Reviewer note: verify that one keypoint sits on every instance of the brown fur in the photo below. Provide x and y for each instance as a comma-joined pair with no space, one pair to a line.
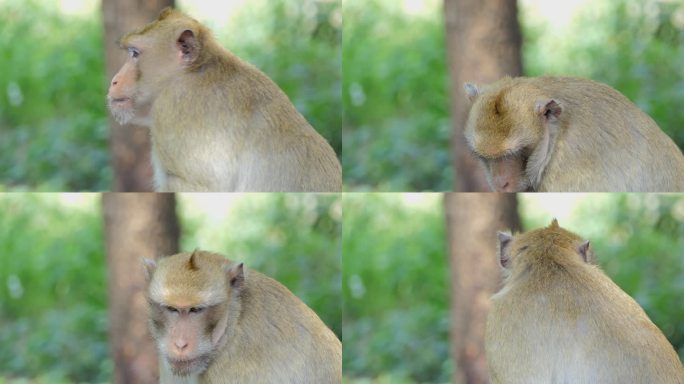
560,319
248,329
217,122
569,134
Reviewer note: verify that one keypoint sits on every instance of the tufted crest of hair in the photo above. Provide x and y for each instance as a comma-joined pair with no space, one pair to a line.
192,262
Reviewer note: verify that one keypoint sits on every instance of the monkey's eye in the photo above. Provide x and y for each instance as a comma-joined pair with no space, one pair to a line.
171,309
196,309
133,53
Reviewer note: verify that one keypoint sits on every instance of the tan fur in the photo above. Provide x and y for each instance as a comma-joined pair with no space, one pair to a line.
262,333
560,319
599,140
217,122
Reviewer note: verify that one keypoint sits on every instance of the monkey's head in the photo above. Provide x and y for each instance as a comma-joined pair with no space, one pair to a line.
195,301
158,53
544,247
511,128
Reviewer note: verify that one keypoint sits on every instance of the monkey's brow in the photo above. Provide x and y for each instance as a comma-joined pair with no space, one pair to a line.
509,153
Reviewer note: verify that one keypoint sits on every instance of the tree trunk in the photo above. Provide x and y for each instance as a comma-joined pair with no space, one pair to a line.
472,222
483,44
137,225
130,145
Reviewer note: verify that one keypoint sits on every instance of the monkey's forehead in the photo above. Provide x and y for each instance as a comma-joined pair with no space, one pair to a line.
176,23
185,293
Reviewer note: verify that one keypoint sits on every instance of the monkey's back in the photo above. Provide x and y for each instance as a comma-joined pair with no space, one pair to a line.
578,328
251,136
290,345
613,137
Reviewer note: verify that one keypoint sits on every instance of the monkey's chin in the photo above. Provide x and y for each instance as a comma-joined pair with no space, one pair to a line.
190,367
122,109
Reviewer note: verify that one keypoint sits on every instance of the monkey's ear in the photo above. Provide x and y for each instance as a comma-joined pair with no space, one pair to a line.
548,108
585,251
504,249
188,47
150,267
471,91
236,275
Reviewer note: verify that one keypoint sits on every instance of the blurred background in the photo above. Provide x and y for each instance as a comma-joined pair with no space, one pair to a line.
57,260
397,91
54,126
397,280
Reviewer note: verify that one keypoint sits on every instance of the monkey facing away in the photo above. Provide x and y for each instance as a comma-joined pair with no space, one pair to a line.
560,319
215,321
217,123
567,134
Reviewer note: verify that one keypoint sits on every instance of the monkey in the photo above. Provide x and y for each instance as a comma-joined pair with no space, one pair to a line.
216,321
563,134
559,319
217,123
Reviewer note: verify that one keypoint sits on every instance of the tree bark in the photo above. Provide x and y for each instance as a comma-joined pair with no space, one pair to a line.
472,222
137,225
130,145
483,44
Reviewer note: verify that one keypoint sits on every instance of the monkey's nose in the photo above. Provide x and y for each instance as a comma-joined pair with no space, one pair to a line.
181,344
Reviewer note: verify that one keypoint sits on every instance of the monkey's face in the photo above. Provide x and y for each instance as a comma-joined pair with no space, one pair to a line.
184,335
126,98
500,136
152,62
507,173
194,300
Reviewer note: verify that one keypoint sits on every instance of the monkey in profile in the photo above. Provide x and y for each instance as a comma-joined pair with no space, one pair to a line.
560,319
562,134
215,321
217,123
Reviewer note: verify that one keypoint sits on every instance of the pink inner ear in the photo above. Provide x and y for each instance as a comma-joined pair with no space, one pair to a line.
548,108
540,107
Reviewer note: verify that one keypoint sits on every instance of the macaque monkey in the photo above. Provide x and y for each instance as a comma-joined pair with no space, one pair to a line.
561,134
215,321
560,319
217,123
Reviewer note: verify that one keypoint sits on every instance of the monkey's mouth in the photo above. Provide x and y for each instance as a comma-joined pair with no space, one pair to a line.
119,101
187,367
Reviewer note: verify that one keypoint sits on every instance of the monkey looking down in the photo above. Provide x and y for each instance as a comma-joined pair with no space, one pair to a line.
559,319
217,123
563,134
215,321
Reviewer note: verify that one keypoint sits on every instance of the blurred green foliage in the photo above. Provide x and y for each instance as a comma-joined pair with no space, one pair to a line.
53,118
53,290
396,289
53,124
396,118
